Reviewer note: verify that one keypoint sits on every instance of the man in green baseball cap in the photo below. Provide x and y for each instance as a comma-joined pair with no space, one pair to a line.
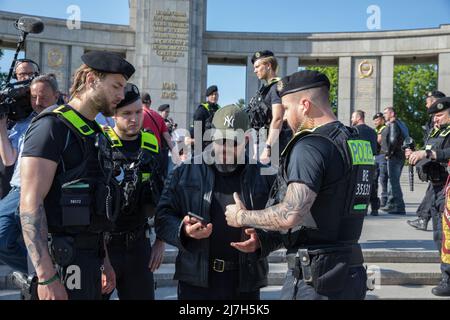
194,202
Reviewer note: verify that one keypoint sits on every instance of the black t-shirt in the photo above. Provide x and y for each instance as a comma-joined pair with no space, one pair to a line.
49,138
272,97
317,162
368,134
222,234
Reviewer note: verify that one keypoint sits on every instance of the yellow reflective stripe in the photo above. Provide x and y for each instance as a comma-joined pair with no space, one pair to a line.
380,129
273,81
75,120
113,137
149,142
146,176
445,132
206,106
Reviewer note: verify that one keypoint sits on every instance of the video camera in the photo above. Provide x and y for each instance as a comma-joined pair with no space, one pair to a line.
410,144
15,100
15,97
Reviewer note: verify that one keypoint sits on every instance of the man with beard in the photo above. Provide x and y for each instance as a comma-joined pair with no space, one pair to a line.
134,156
323,192
190,216
44,93
65,197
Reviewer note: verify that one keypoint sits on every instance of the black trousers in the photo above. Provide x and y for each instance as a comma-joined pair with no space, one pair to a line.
222,286
374,200
82,277
133,277
424,209
355,288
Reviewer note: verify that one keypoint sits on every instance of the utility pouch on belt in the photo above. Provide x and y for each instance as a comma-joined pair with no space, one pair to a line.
76,200
63,250
329,269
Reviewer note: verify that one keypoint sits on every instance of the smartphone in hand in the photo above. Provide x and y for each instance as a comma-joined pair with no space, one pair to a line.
198,218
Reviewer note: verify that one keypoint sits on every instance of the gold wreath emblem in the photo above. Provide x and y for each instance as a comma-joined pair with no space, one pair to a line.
55,58
365,69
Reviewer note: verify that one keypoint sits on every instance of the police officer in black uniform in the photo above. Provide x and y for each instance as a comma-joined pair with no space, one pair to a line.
424,211
135,165
265,108
431,165
66,198
205,112
320,197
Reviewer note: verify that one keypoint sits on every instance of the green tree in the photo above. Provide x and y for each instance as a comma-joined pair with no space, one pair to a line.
241,103
411,83
332,72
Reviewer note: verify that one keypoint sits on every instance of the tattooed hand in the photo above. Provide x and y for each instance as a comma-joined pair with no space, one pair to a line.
232,212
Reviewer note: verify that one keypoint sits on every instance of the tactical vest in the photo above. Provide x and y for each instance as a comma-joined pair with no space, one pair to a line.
211,111
82,189
343,225
433,171
137,174
379,131
259,112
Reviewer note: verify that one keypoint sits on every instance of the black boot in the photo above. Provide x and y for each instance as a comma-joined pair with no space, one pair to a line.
442,290
419,223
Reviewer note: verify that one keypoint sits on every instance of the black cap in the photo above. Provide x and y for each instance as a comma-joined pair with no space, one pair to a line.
439,105
163,107
302,80
108,62
262,54
211,90
378,115
435,94
131,95
146,98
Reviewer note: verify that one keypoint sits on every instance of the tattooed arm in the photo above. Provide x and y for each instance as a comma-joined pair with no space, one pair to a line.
36,179
293,211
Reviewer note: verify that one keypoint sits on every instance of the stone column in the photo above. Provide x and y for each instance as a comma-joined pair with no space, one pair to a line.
252,83
291,65
444,73
168,53
386,83
282,66
344,90
365,84
33,51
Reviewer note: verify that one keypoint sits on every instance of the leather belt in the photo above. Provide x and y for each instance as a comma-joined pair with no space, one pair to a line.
125,238
220,266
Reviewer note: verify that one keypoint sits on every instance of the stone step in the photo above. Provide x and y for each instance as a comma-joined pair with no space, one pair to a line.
382,273
404,292
370,256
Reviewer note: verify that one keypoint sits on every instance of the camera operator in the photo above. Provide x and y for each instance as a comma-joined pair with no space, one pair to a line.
24,70
44,93
431,165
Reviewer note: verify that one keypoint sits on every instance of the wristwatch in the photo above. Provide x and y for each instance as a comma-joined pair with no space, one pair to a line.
429,153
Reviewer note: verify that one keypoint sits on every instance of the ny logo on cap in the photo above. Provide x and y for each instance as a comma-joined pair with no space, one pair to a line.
229,122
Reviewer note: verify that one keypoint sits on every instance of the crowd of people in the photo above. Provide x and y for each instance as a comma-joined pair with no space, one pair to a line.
94,174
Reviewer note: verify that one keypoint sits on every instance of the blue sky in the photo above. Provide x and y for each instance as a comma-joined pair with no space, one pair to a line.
258,16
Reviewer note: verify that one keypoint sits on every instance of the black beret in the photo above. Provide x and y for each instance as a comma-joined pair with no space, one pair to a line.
211,90
435,94
108,62
163,107
378,115
146,98
262,54
439,105
302,80
131,96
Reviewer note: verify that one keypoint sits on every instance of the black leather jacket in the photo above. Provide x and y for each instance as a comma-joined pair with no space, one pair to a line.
190,188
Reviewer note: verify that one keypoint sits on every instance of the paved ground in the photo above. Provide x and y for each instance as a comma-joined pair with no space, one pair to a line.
385,233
